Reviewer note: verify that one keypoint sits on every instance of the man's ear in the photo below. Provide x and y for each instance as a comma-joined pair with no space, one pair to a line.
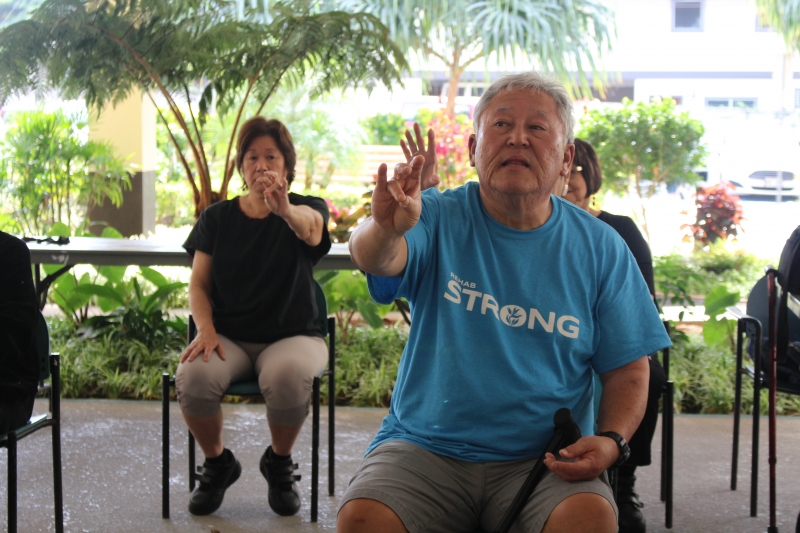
569,155
472,143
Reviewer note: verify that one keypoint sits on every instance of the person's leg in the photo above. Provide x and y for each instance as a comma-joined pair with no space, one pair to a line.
402,487
555,505
582,513
200,385
286,371
368,516
631,519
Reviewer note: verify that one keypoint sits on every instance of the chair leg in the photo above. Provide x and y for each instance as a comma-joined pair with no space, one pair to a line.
331,402
668,445
165,445
754,461
55,410
12,482
192,462
315,451
737,405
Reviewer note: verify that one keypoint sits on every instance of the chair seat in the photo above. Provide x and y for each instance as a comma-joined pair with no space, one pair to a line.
789,387
244,388
34,423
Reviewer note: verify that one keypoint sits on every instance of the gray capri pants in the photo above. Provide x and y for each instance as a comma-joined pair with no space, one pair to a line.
285,370
432,493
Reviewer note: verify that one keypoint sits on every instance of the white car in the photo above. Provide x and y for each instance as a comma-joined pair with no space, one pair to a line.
765,183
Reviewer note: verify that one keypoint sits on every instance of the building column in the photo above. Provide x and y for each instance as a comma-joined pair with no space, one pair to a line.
130,127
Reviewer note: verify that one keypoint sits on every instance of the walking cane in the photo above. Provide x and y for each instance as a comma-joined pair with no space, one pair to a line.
566,433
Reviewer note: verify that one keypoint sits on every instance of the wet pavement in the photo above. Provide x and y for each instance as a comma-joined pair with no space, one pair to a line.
112,473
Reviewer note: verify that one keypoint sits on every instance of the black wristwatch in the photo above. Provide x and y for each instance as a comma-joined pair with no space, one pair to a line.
622,444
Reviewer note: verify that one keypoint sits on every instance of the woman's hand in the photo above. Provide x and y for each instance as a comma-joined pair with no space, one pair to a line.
276,193
430,169
204,343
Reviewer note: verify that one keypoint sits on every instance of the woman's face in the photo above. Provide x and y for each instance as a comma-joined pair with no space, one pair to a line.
576,192
261,159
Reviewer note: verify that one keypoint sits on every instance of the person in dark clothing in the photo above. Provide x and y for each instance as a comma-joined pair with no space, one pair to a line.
19,312
584,181
252,296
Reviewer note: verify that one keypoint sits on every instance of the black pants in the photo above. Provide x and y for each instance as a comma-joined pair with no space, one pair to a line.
15,411
641,440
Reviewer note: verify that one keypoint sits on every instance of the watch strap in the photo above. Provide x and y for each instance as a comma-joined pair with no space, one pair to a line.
622,444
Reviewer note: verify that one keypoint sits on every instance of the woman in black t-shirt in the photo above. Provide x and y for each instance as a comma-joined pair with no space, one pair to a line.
252,298
578,188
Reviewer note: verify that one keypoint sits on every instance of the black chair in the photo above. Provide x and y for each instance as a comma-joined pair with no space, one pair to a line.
784,334
250,388
48,367
667,437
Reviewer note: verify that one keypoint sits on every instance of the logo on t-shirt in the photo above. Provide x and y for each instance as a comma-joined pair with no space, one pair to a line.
463,292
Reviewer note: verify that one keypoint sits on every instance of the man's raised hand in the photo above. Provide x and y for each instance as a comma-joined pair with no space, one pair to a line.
396,202
411,148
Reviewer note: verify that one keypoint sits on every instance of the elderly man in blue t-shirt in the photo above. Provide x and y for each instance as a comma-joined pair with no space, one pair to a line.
516,297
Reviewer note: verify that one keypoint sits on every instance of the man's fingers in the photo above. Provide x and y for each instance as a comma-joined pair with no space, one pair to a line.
420,138
396,190
221,351
406,151
410,140
381,181
431,141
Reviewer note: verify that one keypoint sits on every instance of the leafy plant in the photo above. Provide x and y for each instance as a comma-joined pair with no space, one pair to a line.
50,172
384,128
347,294
103,50
673,279
644,146
366,366
135,315
452,152
343,220
563,36
718,330
719,214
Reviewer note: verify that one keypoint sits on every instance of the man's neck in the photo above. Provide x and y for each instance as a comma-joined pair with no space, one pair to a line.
520,212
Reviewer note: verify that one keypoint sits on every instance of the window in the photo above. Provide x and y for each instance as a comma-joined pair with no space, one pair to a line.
735,103
687,16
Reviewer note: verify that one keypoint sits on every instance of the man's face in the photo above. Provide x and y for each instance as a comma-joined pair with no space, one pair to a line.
520,148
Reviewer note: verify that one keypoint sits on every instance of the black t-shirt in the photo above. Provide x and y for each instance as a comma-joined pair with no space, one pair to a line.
19,313
633,238
262,274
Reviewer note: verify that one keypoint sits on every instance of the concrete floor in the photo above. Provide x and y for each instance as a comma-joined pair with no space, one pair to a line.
112,473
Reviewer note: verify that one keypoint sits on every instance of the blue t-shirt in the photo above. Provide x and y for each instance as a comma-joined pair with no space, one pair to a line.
507,326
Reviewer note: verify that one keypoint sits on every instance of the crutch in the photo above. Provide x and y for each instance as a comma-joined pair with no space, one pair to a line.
566,433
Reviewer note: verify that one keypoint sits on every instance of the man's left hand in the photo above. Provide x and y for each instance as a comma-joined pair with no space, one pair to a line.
586,459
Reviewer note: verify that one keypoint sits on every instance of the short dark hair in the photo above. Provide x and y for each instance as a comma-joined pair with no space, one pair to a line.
586,159
259,127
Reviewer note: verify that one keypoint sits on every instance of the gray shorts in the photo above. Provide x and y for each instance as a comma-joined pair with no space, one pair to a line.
432,493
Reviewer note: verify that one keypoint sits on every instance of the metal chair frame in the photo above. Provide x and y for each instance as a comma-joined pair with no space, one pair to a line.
48,367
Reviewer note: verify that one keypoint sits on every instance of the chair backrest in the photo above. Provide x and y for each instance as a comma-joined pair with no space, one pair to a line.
322,308
789,280
43,347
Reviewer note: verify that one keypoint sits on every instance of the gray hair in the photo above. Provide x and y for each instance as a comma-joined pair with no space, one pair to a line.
536,82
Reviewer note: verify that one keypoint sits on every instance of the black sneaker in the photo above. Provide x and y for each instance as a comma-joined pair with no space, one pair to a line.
631,519
283,497
214,479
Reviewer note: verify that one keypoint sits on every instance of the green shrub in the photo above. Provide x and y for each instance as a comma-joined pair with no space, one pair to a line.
704,380
366,367
384,128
